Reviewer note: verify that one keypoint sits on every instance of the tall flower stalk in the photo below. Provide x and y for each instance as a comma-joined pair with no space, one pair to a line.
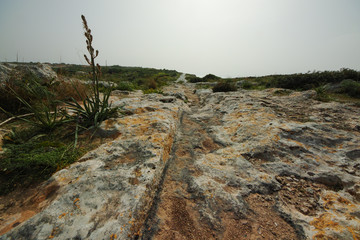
95,69
94,109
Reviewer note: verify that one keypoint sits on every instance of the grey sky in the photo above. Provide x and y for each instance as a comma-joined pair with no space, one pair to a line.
223,37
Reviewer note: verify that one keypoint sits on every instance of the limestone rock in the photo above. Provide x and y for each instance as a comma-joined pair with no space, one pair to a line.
245,164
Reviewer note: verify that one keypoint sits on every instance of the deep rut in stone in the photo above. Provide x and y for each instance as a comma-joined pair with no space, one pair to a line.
179,208
173,210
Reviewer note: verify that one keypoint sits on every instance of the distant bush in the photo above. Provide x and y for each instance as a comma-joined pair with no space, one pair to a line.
224,87
207,78
351,88
194,79
210,77
246,85
151,84
312,80
125,86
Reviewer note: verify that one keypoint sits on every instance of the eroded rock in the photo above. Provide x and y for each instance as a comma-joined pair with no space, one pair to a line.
246,164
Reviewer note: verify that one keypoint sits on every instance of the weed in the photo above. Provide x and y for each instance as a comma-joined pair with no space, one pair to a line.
321,94
46,114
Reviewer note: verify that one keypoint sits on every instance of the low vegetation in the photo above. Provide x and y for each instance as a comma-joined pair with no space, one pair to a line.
326,83
125,78
50,137
208,78
224,87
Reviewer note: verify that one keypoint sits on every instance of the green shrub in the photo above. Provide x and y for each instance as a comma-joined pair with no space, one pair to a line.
224,87
207,78
32,161
247,85
210,77
194,79
351,88
321,94
125,86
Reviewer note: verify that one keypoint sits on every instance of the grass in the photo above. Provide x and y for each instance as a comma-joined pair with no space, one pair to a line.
30,156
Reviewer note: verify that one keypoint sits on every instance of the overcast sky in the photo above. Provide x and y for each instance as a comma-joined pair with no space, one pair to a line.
228,38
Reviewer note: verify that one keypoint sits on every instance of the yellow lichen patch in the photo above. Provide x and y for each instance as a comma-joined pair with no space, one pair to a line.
325,221
355,235
330,150
298,143
276,138
338,208
76,202
265,177
53,233
62,215
333,201
113,236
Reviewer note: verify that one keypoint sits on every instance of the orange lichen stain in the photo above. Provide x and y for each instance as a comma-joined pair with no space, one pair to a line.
77,202
330,150
24,216
265,177
355,235
332,199
343,200
297,143
113,236
276,138
324,221
53,233
62,215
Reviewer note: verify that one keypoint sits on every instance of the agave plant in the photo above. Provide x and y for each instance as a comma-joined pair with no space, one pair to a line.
45,114
95,108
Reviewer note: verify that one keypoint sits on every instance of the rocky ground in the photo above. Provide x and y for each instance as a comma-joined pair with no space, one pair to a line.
200,165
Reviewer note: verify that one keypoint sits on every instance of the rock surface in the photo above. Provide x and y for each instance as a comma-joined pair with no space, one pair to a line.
238,165
40,70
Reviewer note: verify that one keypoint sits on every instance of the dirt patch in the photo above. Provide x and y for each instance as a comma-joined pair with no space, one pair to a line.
300,194
181,223
264,221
